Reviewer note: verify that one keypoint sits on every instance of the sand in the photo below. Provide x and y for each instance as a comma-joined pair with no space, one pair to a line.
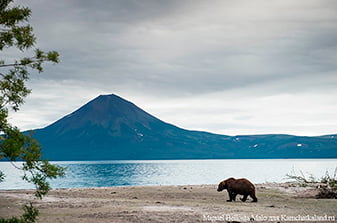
189,203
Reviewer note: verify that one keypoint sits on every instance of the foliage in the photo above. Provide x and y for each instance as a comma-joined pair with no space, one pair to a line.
29,216
17,34
327,184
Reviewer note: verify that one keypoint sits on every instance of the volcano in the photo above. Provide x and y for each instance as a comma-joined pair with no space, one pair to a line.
112,128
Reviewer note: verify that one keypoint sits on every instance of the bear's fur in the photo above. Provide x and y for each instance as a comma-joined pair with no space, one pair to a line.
238,186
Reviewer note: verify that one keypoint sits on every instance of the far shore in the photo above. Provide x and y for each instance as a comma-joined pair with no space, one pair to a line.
278,202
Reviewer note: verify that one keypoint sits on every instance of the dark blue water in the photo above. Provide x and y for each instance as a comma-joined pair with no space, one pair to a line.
171,172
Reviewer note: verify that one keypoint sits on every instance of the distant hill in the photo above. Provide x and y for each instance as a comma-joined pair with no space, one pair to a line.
111,128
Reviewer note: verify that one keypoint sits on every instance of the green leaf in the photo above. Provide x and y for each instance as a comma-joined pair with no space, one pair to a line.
53,56
16,32
31,213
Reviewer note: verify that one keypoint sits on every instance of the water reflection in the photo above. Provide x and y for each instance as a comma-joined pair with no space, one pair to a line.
171,172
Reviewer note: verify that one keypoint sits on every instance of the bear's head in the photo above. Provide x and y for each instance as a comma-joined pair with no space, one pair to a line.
224,184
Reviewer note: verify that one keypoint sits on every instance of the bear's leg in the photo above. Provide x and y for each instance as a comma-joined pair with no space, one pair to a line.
234,196
253,196
244,198
230,195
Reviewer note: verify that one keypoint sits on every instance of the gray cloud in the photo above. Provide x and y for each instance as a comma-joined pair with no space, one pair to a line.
189,49
170,42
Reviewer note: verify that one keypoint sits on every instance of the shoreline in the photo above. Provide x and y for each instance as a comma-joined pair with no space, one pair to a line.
291,184
267,184
179,203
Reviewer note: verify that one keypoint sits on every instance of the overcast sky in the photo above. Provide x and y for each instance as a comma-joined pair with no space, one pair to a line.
229,67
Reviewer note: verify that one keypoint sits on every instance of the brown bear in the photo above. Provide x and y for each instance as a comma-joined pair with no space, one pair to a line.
238,186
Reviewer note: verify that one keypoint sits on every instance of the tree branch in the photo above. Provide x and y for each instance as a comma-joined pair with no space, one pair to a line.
10,65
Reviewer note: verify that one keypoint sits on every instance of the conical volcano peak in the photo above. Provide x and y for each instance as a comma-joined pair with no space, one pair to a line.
109,98
105,110
107,104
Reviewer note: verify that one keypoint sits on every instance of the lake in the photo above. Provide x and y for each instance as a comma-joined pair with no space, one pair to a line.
172,172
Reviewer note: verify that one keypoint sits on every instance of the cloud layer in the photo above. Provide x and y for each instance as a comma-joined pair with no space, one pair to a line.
232,67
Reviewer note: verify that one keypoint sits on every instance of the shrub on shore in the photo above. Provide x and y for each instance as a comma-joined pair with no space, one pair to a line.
327,184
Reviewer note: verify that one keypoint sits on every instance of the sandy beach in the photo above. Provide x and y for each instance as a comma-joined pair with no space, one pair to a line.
189,203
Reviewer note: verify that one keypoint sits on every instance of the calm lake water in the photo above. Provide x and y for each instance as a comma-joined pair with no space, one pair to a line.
172,172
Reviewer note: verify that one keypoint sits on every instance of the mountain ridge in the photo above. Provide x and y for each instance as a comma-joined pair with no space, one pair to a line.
110,127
